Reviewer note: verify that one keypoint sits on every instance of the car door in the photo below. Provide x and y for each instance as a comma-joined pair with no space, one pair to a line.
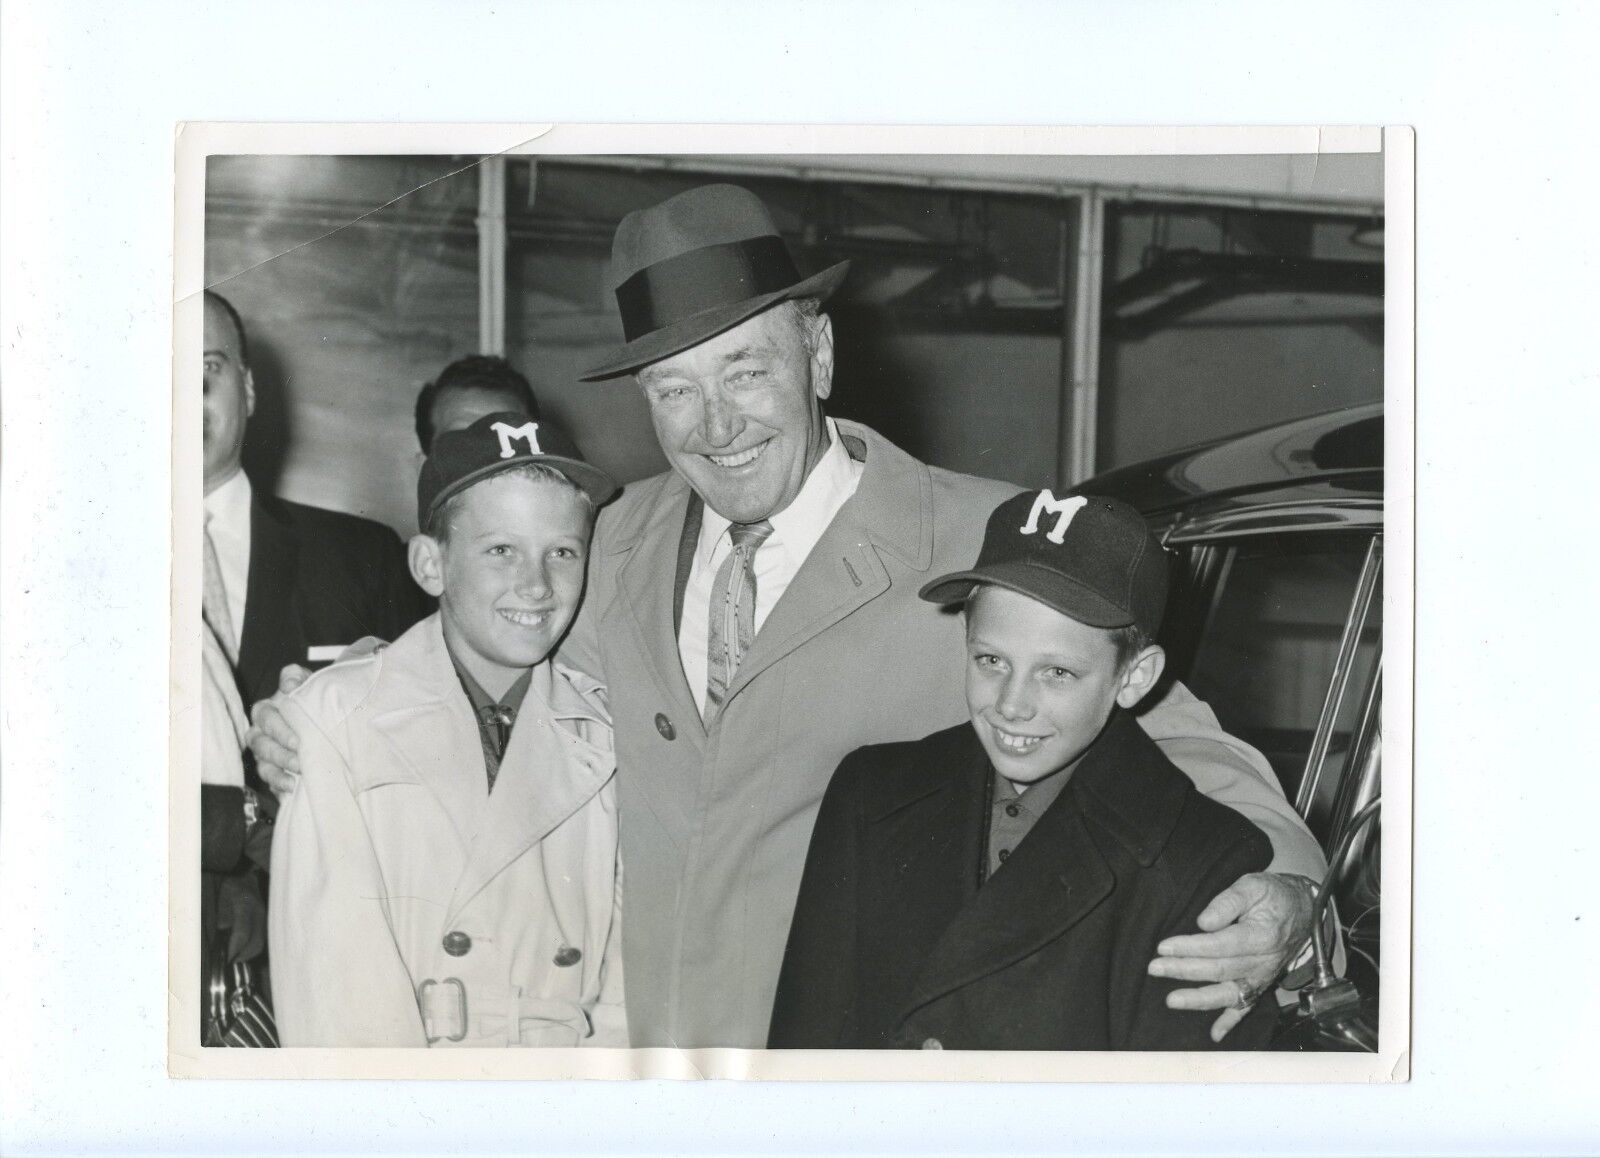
1278,626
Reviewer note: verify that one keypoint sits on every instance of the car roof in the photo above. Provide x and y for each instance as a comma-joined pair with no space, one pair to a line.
1308,473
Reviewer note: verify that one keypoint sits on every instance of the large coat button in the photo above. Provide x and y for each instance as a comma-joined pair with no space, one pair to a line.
457,943
567,956
664,726
932,1043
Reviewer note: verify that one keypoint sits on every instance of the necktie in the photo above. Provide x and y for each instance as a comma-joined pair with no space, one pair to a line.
214,601
494,729
733,611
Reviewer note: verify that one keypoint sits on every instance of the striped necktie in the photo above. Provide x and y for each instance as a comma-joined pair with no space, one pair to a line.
733,611
214,601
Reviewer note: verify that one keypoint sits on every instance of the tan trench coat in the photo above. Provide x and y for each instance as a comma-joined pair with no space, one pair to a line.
393,866
716,823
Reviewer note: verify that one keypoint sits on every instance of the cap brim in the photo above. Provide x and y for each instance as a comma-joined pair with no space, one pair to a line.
593,481
1049,587
693,330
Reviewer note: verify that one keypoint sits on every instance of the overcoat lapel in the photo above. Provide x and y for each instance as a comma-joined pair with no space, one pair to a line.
928,842
269,595
1055,878
429,727
546,775
648,597
891,512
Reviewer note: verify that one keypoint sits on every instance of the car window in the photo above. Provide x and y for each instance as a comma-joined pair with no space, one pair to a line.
1270,642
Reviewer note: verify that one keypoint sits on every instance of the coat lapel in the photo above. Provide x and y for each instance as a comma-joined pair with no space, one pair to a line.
427,723
928,841
546,775
269,595
648,598
1055,878
890,513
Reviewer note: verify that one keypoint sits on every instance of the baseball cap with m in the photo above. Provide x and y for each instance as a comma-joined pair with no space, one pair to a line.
498,442
1090,558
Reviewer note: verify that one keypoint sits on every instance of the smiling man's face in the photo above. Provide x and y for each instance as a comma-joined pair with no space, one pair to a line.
740,415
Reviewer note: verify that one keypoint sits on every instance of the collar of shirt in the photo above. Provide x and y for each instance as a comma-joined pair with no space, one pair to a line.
795,531
228,523
555,690
1014,813
481,699
494,729
1035,798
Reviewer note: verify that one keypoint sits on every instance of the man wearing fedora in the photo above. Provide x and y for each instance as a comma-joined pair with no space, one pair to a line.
754,613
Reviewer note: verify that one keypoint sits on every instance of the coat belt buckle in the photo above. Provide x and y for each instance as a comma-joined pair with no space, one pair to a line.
439,1008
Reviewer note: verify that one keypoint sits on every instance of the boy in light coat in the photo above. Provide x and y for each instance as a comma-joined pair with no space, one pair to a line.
447,872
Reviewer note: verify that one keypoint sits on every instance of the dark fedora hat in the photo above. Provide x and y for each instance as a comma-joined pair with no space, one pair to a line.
695,265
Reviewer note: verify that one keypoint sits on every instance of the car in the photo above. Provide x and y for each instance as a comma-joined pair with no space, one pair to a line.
1276,620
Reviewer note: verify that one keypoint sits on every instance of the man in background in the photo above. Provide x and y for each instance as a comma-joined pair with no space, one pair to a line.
282,583
466,390
300,582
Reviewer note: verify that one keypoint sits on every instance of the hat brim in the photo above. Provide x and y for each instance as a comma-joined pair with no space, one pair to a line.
593,481
1049,587
696,328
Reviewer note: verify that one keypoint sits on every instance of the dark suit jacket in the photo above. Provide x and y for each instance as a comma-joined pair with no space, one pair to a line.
317,578
224,866
895,944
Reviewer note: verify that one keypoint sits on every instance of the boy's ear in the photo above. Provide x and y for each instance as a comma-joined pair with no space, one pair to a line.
1141,675
425,554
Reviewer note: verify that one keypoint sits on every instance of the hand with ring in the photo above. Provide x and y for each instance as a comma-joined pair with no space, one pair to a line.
1248,935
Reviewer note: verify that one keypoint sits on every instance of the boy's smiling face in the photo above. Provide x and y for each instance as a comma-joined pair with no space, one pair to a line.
1041,685
509,575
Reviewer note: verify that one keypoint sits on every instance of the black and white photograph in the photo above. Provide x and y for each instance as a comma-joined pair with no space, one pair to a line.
800,579
896,611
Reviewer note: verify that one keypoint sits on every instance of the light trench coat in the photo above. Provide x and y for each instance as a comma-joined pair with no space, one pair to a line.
410,906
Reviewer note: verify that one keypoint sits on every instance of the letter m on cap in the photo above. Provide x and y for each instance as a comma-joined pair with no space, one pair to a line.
1063,509
528,430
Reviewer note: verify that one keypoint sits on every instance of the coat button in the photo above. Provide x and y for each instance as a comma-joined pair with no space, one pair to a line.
664,726
932,1043
1012,810
567,956
457,943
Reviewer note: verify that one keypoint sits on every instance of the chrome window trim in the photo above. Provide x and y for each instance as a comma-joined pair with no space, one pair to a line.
1368,588
1277,518
1366,757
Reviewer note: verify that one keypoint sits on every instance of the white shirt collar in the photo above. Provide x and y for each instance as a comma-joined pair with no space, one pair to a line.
229,504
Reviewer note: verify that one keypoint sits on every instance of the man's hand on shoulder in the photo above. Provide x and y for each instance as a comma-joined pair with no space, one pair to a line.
274,744
1250,933
272,741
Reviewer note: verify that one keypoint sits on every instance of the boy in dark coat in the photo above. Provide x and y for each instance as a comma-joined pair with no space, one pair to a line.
1003,885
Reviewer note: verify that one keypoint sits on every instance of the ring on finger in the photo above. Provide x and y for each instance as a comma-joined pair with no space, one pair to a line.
1248,995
